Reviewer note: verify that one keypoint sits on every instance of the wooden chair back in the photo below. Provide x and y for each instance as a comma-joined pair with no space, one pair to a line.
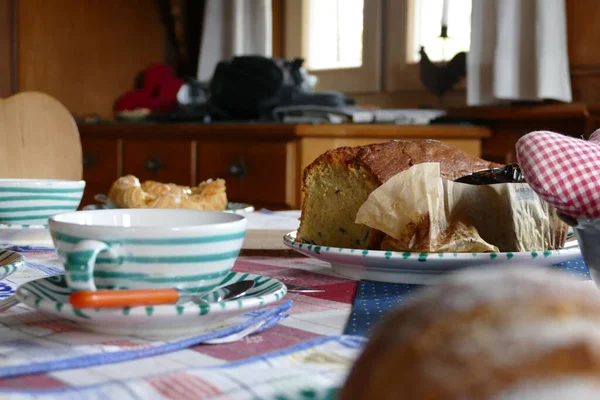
38,138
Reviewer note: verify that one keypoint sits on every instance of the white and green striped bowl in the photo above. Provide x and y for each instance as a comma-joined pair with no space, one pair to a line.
10,261
32,201
25,235
147,248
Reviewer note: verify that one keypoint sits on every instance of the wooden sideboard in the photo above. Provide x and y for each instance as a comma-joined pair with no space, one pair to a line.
262,163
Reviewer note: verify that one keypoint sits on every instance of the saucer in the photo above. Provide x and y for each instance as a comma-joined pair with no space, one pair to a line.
21,235
51,295
10,261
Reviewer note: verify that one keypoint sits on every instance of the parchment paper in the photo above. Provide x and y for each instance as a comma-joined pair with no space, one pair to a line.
421,212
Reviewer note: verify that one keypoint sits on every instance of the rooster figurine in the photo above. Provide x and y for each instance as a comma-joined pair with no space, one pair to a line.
439,79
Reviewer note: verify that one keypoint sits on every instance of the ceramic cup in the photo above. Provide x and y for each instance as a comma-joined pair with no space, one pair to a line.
588,236
147,248
32,201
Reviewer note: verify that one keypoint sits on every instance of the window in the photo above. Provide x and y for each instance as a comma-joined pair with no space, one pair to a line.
366,46
335,31
427,17
340,41
411,24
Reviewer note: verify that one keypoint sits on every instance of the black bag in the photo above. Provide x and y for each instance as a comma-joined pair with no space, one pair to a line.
249,87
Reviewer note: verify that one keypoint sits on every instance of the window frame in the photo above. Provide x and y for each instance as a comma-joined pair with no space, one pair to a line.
364,79
386,51
400,74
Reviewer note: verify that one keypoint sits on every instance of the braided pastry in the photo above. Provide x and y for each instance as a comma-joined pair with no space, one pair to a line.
128,192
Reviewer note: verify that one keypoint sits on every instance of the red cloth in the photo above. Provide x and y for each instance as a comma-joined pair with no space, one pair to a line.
158,94
563,170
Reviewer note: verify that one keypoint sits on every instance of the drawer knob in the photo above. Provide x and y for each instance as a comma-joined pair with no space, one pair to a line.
89,161
238,169
154,164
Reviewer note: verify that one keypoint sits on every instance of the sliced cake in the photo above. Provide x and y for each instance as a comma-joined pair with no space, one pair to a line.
339,181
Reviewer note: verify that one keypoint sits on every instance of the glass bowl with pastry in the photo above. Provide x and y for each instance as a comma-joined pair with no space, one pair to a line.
129,192
412,211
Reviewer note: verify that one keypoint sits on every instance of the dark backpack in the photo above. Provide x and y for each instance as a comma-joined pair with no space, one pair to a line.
249,87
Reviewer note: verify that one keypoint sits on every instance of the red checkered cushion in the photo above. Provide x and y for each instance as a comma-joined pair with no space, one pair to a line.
564,171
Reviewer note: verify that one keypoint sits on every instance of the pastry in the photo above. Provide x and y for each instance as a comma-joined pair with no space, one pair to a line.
128,192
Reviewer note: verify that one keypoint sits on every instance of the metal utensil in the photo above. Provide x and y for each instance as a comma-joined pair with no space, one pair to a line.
510,173
148,297
302,289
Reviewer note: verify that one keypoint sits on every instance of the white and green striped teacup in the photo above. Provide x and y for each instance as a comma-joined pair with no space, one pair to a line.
147,248
32,201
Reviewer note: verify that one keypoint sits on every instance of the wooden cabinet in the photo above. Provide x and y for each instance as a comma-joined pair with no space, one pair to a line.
160,160
261,163
257,172
101,166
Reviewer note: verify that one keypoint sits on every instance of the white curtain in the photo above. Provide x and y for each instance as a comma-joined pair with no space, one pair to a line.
518,52
234,28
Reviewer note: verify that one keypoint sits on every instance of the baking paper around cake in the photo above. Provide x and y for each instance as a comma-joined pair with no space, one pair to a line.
421,212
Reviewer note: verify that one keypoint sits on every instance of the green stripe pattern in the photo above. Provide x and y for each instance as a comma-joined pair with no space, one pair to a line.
32,204
52,294
65,238
199,262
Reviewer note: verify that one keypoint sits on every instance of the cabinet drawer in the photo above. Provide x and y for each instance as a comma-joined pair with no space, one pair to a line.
168,161
100,167
100,160
260,173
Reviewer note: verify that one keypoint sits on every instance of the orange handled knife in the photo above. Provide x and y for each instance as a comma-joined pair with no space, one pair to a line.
152,297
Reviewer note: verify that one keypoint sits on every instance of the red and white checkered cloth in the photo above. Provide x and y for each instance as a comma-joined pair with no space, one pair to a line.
563,170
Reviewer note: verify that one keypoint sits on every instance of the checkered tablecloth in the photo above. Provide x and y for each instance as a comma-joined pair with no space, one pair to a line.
302,355
305,354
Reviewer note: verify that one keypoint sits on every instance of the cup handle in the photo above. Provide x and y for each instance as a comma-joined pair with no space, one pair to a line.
79,269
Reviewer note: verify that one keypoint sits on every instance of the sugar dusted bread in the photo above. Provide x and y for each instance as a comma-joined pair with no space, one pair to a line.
128,192
487,334
338,182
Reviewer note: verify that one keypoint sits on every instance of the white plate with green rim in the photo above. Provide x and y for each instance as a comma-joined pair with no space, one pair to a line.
418,268
51,295
30,235
239,208
10,262
232,207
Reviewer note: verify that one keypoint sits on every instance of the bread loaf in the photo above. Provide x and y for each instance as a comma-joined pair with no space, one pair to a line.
338,182
487,334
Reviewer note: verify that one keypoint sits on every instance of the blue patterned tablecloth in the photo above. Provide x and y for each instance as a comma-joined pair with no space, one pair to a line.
373,300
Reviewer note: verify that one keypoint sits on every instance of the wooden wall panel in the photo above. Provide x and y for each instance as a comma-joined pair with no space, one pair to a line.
583,33
7,53
277,15
86,53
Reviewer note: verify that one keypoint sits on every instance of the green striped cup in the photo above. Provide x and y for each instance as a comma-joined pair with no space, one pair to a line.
32,201
147,248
